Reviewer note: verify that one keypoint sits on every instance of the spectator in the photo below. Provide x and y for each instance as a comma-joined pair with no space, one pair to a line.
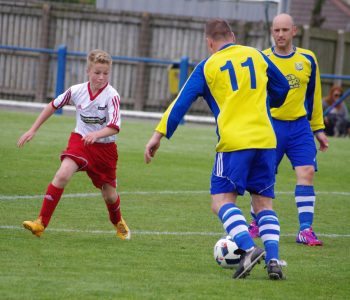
337,120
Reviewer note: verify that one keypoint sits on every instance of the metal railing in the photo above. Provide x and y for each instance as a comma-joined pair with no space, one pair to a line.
183,65
62,54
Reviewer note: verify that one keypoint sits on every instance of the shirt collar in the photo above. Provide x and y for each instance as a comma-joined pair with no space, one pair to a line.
227,45
284,56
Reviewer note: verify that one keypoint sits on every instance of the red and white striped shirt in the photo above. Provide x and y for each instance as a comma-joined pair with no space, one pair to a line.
93,112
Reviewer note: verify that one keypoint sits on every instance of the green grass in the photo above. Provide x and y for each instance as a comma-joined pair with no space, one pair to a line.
78,257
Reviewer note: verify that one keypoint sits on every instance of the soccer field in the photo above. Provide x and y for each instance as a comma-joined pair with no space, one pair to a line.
167,207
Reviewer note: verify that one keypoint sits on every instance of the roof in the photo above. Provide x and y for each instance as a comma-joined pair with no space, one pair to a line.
336,13
232,10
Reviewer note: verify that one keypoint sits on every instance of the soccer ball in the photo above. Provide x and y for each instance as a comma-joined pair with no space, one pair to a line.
224,253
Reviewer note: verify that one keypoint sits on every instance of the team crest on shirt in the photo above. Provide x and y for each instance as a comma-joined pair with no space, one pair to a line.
299,66
294,82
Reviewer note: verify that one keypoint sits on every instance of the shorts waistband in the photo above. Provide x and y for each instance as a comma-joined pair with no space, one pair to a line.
96,143
288,121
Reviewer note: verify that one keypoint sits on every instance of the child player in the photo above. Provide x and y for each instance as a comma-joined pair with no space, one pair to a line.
91,147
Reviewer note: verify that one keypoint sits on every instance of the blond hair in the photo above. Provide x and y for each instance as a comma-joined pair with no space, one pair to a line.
98,56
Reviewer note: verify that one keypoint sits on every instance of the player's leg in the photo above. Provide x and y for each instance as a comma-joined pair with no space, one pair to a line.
52,196
305,201
253,226
102,170
227,181
112,200
269,229
260,184
302,154
236,226
281,130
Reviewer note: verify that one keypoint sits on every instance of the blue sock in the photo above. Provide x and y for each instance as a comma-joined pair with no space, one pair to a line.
236,225
305,201
269,229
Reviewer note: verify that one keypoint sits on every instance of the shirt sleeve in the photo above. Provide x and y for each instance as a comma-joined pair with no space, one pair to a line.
193,88
313,98
63,99
277,85
114,113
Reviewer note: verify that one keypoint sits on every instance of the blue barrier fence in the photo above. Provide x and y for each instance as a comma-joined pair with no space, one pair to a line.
62,54
184,63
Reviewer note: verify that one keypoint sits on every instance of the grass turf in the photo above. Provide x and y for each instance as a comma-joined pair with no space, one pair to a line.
167,206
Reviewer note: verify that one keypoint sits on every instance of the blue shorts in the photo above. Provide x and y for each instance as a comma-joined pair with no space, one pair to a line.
296,140
252,170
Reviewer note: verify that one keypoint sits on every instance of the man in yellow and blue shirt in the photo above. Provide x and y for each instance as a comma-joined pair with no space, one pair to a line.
239,85
297,121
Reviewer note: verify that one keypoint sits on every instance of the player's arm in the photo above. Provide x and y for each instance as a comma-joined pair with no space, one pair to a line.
193,88
92,137
46,113
314,97
152,146
314,104
277,85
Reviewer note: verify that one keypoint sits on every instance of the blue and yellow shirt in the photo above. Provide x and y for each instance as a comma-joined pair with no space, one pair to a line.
304,98
239,84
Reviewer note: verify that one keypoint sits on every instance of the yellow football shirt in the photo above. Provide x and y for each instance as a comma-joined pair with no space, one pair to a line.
304,98
239,84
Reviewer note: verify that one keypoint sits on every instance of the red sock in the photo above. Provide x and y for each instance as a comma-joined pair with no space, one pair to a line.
51,198
114,211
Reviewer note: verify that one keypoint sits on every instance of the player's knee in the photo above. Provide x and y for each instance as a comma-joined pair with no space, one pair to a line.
61,178
217,203
109,198
214,208
306,174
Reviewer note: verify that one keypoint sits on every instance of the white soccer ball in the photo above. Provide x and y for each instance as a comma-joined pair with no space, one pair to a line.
224,253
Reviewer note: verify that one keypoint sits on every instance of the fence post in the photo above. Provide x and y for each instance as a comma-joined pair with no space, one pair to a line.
142,75
339,58
184,64
61,72
305,40
44,58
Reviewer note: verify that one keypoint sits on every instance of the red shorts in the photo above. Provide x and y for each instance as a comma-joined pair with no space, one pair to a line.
99,160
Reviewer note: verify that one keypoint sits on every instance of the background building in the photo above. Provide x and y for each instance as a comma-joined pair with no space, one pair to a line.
328,14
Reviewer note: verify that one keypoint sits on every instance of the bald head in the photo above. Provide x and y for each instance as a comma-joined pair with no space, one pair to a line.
284,19
283,31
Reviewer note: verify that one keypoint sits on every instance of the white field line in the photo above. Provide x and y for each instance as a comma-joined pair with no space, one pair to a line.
145,232
89,195
126,113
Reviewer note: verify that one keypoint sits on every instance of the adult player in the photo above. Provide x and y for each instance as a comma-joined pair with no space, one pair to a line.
297,121
238,83
91,146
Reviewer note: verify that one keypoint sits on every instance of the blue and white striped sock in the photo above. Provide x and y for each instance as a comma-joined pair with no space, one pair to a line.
236,225
269,229
305,201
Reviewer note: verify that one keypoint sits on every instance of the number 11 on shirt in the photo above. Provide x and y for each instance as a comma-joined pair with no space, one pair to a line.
248,63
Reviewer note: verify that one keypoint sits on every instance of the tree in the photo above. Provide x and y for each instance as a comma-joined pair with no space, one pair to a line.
316,18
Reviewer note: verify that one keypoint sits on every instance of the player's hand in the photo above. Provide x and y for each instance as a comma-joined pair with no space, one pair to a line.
152,146
90,138
323,141
25,138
